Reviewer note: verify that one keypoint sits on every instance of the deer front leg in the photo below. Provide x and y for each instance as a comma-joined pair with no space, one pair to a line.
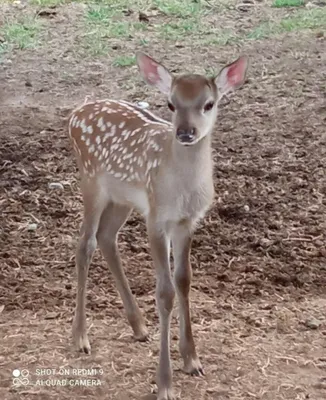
181,243
160,248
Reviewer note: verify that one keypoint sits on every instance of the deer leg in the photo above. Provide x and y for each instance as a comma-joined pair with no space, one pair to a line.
85,249
113,218
160,245
181,243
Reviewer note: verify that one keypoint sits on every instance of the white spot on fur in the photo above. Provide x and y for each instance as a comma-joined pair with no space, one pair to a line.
134,132
100,122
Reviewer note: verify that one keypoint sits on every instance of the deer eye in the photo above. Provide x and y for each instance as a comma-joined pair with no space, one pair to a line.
171,106
208,106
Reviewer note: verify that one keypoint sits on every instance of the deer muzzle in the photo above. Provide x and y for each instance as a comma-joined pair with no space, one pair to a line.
186,135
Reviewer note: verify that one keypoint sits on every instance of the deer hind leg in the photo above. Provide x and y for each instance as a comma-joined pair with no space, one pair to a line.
181,243
160,249
86,246
112,219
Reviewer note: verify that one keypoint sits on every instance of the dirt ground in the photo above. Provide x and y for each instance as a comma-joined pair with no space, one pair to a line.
258,294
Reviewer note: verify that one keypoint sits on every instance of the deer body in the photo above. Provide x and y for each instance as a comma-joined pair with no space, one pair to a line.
174,197
130,159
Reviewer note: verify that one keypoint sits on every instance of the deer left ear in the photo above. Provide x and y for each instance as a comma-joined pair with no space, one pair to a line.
231,77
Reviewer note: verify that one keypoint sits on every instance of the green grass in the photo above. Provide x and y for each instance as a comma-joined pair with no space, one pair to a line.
178,8
111,21
106,24
102,13
124,61
3,49
175,8
105,19
179,29
301,20
288,3
23,34
48,3
222,38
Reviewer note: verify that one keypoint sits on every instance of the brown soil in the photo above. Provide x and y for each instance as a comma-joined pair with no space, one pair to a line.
258,257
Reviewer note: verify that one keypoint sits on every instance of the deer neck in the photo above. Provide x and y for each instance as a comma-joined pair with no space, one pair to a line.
195,159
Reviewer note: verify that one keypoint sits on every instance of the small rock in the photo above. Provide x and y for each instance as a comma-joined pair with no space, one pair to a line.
143,104
32,227
246,208
264,242
56,185
243,7
47,13
312,323
143,17
52,315
127,12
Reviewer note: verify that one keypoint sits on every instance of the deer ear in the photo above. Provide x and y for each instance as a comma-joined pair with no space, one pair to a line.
154,73
232,76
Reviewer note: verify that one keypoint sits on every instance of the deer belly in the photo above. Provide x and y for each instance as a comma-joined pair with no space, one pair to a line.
132,196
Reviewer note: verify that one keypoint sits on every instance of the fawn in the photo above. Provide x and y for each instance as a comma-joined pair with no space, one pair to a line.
128,159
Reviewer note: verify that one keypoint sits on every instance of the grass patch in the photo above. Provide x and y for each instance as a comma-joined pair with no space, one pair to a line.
23,34
288,3
110,22
102,13
124,61
48,3
182,9
105,22
3,49
175,8
222,38
179,29
302,20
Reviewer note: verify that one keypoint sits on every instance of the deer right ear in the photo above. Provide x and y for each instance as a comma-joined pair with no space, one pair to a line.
154,73
232,76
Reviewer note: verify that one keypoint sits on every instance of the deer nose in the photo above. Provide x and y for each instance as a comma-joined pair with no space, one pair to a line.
186,135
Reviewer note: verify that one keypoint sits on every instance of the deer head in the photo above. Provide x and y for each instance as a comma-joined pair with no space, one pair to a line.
193,99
